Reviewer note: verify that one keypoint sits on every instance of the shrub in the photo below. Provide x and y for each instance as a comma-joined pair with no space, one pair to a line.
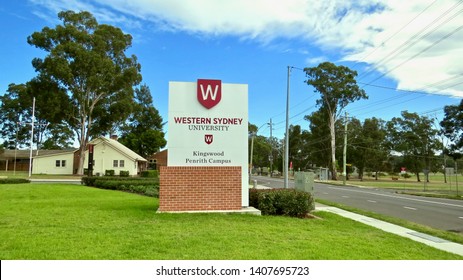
108,184
109,172
152,191
286,202
149,173
254,197
124,173
14,181
406,175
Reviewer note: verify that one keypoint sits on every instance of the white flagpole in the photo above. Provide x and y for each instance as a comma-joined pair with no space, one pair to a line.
32,137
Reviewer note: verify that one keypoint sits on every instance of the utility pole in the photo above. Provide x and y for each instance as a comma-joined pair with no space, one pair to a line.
344,155
285,168
271,145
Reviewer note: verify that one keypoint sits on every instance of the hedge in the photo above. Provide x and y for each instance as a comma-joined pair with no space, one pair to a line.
14,181
144,186
286,202
149,173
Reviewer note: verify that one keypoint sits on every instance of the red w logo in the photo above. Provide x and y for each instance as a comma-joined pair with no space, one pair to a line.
209,92
208,138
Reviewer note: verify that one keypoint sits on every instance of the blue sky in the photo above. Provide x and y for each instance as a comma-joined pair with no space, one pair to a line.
397,47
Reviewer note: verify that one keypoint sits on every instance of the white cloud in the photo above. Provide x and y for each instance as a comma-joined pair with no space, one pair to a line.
359,30
314,61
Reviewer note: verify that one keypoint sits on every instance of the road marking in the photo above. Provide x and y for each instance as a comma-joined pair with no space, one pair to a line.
325,193
460,217
372,201
400,197
345,196
411,208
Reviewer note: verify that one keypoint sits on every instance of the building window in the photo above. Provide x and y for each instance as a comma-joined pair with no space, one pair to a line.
115,163
63,163
121,163
58,163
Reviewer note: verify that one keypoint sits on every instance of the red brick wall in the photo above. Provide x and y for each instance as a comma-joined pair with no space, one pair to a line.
188,188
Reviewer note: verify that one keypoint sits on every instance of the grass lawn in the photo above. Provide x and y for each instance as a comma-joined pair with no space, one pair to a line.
60,221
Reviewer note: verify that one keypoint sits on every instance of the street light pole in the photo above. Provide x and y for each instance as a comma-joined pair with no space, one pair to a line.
253,134
285,168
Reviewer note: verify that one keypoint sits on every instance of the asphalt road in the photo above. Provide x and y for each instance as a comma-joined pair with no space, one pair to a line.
445,214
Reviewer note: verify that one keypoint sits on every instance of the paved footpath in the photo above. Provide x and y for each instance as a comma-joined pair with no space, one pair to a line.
395,229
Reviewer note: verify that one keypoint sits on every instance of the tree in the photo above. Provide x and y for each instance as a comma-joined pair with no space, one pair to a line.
88,60
415,138
143,132
338,88
261,151
298,149
318,139
262,148
367,145
452,127
13,111
51,111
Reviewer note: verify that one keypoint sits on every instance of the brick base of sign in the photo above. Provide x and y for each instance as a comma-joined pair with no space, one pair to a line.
199,188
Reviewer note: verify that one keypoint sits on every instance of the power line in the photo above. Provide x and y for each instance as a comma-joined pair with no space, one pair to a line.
395,98
397,32
421,90
419,53
410,42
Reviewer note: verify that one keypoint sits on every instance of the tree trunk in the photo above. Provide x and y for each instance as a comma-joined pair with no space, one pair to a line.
333,147
80,168
84,129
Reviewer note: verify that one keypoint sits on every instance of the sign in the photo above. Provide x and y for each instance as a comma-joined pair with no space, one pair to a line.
90,159
209,92
208,138
403,170
208,126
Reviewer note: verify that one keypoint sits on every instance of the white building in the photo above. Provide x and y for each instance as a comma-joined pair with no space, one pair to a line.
57,163
108,154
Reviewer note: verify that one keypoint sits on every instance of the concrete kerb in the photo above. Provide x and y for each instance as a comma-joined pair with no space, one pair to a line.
340,184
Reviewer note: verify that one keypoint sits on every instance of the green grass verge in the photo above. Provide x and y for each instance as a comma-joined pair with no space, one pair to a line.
450,236
431,194
39,221
436,183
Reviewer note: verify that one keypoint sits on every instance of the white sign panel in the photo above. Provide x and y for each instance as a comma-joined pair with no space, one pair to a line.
208,126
